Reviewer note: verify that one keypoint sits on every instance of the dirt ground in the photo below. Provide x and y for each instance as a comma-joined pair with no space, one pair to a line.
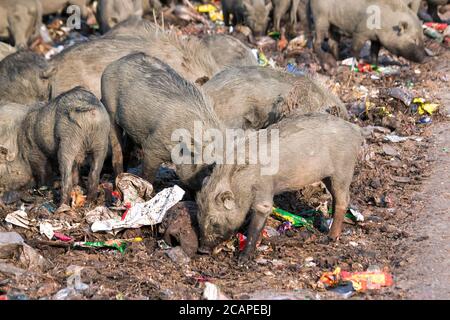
401,189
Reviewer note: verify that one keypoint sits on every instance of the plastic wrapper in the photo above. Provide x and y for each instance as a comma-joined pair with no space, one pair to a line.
361,281
143,214
133,188
294,219
119,244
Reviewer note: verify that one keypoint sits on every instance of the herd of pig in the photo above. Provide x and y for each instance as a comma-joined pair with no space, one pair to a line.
137,83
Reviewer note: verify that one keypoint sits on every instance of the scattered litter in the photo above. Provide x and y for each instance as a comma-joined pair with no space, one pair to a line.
143,214
46,229
74,287
361,281
294,219
10,243
178,256
213,292
78,199
163,245
119,244
19,218
424,107
133,188
99,213
62,237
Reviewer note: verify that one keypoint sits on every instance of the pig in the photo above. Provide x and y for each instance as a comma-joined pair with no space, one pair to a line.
400,30
58,6
255,97
148,100
414,5
6,50
15,173
229,51
111,12
20,21
312,148
64,131
281,7
133,27
253,13
84,63
25,78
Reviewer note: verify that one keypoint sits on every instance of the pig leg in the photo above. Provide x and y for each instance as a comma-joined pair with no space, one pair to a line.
333,42
75,174
226,16
115,138
66,158
279,12
357,45
261,211
339,189
322,29
40,167
99,156
375,47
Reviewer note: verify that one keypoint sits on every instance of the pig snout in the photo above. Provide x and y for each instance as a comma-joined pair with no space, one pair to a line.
415,54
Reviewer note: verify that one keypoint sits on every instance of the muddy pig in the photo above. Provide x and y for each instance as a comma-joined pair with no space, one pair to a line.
255,97
399,29
14,171
312,148
149,100
84,63
111,12
253,13
20,21
58,6
5,50
25,78
65,131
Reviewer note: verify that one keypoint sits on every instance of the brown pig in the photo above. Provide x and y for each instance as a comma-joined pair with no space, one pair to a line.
309,149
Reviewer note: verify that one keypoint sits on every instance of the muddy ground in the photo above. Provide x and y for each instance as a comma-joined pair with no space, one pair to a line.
388,189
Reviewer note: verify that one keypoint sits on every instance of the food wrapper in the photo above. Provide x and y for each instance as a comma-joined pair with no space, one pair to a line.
361,281
424,107
294,219
119,244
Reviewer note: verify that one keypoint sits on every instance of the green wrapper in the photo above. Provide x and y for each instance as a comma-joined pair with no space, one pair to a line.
294,219
119,244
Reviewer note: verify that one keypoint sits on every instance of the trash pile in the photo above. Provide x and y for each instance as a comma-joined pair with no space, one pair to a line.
140,243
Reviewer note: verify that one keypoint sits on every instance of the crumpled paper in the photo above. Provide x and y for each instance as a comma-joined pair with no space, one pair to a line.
143,214
133,188
19,218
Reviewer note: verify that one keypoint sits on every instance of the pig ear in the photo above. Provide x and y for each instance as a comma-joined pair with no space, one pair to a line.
226,199
47,74
205,181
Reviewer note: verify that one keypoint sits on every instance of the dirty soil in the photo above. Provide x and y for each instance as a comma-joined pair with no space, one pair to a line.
401,188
